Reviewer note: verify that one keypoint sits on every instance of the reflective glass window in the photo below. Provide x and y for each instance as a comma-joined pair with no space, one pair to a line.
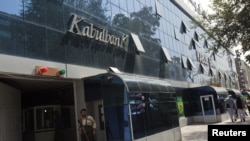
142,64
35,11
5,35
148,107
44,118
159,8
138,5
54,14
124,5
149,3
35,41
177,33
131,7
115,10
12,37
12,7
115,2
56,47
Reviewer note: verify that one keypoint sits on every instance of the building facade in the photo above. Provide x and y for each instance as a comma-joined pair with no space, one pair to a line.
52,50
243,72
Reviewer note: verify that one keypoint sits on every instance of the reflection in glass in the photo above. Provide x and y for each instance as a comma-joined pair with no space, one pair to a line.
148,107
44,118
13,7
34,10
54,14
35,43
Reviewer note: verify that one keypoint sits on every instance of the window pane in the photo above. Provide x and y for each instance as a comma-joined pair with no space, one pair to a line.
35,41
34,10
44,118
148,107
54,14
12,7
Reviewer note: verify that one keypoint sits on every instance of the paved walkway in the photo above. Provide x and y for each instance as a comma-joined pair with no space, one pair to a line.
198,132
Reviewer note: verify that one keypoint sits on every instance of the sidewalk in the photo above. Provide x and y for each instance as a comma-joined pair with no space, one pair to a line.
198,132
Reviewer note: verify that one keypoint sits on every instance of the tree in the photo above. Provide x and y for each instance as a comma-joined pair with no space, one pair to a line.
228,24
136,23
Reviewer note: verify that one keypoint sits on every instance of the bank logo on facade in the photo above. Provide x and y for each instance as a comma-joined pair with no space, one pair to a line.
80,26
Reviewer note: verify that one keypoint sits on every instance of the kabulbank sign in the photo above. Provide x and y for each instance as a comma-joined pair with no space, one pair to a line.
81,27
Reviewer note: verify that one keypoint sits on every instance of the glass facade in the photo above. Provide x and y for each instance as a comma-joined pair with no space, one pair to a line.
192,103
39,29
133,113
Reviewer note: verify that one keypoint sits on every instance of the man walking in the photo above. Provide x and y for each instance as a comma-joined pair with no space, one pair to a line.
240,108
231,106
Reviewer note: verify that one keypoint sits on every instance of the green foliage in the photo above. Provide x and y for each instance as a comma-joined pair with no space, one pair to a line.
143,23
229,24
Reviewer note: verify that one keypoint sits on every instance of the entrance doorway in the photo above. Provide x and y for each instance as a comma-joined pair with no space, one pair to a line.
36,98
208,108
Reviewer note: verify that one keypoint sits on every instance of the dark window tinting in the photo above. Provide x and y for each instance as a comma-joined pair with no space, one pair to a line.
157,107
35,41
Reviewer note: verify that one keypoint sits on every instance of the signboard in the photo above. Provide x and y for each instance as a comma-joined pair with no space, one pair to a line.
84,28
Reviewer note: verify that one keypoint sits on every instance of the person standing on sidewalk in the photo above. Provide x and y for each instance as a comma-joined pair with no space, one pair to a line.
248,104
231,106
240,108
87,126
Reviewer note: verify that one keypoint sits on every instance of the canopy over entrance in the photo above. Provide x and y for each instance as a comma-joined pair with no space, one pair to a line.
221,92
245,93
133,83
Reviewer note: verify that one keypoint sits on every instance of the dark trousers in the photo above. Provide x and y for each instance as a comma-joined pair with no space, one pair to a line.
89,137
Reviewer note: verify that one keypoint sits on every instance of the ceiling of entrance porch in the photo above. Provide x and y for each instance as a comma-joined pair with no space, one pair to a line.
35,84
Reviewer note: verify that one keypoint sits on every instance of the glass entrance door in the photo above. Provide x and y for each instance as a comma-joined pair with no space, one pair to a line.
208,108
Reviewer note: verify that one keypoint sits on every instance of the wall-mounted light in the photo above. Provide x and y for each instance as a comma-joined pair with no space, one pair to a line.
61,72
43,69
49,71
